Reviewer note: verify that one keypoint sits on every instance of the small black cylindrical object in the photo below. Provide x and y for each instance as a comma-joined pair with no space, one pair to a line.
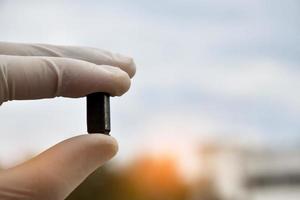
98,113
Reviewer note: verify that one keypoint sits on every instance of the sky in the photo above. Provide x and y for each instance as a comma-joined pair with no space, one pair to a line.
206,69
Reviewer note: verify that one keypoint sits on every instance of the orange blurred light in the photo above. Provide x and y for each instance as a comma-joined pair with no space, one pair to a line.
156,176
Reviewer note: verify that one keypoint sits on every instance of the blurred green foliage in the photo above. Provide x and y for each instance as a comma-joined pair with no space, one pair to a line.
143,180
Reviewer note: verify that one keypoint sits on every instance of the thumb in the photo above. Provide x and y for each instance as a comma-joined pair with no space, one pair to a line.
55,173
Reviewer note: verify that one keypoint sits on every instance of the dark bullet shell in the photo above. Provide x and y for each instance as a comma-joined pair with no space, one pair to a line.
98,113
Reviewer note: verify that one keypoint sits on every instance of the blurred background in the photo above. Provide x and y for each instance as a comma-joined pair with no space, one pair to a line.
214,109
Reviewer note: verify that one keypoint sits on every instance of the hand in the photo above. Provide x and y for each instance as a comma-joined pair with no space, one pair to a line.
34,71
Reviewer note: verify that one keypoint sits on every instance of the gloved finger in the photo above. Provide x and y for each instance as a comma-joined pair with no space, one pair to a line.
59,170
46,77
93,55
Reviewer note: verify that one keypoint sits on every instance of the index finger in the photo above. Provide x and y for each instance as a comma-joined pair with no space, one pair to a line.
93,55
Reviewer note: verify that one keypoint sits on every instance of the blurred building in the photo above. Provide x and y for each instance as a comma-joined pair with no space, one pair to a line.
235,172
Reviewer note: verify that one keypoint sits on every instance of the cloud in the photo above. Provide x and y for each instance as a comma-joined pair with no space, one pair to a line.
203,66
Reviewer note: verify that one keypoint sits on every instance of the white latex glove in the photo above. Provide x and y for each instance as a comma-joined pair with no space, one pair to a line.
34,71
